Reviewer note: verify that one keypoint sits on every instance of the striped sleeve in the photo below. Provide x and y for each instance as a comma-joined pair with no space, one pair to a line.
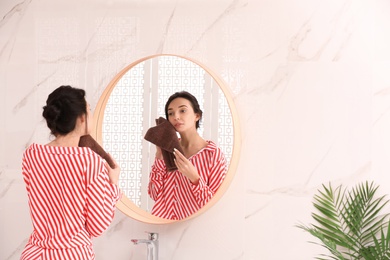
101,197
212,175
25,170
156,182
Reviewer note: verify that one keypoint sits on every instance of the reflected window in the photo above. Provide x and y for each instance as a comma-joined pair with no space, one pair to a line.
139,98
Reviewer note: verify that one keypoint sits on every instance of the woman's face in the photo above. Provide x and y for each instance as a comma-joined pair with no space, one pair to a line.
181,115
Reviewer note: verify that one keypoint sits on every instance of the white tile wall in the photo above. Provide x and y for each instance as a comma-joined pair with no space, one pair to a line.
310,80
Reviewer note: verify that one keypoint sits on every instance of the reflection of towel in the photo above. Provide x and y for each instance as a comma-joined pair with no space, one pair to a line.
164,136
88,141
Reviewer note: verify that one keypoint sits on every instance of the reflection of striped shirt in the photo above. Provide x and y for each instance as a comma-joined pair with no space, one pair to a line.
71,200
175,196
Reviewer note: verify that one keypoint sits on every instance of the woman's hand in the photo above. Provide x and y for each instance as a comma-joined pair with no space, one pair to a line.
113,173
186,167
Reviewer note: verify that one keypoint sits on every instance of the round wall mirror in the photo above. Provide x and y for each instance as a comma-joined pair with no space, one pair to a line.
135,98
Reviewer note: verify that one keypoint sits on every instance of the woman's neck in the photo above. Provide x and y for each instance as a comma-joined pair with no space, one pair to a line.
191,144
69,140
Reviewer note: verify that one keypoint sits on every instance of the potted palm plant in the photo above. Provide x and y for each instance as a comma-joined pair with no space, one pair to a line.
350,224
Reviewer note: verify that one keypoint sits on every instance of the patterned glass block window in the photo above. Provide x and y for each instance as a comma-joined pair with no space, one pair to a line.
122,131
139,98
225,126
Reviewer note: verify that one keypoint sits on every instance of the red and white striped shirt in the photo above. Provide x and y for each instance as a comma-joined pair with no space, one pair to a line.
71,200
175,196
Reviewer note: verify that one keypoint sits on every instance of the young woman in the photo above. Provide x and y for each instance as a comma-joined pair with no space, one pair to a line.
71,190
200,170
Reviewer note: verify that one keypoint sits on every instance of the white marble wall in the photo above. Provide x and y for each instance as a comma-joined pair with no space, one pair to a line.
310,79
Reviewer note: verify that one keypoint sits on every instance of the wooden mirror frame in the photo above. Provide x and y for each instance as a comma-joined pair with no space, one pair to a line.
125,204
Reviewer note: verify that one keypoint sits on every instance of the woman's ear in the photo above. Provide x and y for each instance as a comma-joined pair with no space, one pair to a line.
83,118
82,122
197,116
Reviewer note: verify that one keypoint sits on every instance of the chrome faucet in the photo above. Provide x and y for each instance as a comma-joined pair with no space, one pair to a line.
151,243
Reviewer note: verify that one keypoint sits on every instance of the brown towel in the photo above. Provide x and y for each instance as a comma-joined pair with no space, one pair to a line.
164,136
88,141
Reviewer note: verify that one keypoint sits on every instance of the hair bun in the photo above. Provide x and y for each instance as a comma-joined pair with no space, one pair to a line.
63,106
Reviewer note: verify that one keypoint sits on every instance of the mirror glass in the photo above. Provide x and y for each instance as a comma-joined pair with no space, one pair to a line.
137,96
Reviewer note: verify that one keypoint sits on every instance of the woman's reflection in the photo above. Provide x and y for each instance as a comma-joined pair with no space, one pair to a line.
201,168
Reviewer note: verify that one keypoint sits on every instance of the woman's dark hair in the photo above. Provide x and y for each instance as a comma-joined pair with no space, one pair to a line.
189,97
63,106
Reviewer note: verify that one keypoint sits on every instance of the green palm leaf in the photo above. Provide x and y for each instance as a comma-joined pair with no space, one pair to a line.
380,248
347,223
